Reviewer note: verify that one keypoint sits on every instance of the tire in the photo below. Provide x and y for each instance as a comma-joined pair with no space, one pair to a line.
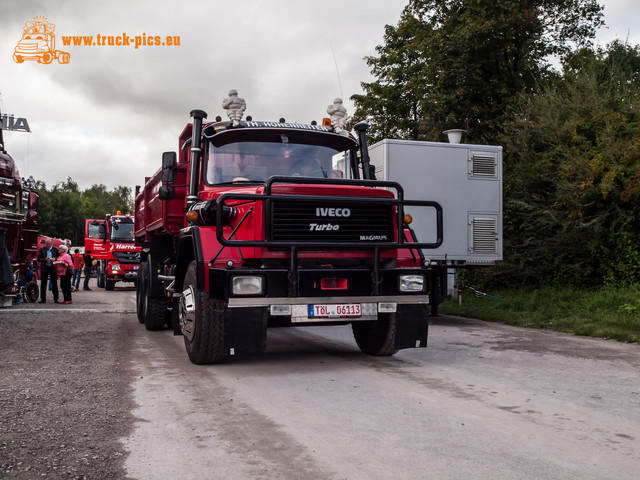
140,291
18,58
47,58
376,338
31,292
100,277
201,321
110,285
152,310
155,313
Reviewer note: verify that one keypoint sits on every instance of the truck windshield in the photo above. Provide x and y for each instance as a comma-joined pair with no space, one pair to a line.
122,232
256,161
8,201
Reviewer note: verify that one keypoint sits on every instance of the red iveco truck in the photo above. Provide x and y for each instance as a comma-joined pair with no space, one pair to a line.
111,243
262,224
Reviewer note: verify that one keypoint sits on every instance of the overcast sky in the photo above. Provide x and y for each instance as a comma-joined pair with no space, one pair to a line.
107,115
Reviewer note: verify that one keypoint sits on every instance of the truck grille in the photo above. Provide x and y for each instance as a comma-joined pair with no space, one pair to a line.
127,257
323,221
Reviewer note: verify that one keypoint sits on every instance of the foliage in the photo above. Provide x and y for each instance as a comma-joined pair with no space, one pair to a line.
572,180
461,63
63,209
603,312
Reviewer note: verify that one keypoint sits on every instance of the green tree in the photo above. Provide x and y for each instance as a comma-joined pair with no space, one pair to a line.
462,63
572,185
62,210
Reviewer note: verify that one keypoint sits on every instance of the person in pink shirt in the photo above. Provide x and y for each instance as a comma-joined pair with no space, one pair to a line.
64,265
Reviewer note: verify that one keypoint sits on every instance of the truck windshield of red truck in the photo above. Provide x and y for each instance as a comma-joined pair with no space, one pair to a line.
122,231
250,160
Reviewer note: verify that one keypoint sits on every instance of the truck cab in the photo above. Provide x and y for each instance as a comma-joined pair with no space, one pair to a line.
18,227
111,243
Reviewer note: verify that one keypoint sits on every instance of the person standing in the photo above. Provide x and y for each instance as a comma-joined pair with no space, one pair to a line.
88,264
64,265
46,256
78,263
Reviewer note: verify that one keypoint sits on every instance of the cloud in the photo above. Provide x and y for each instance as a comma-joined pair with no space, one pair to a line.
108,115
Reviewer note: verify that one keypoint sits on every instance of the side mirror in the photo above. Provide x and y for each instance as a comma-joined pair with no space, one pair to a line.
166,192
102,231
33,201
169,163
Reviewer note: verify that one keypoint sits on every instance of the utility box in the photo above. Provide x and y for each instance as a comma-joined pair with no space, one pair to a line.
466,180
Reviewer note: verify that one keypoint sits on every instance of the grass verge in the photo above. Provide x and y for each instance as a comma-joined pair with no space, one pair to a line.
605,313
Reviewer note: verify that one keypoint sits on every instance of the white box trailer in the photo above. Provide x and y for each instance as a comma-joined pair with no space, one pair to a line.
466,180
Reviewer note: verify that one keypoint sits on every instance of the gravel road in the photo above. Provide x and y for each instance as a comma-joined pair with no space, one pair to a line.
65,393
87,393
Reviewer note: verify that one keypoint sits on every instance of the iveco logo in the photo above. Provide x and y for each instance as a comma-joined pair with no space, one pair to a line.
320,227
333,212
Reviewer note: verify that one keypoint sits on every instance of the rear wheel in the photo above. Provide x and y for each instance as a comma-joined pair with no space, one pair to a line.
141,285
201,321
377,338
154,311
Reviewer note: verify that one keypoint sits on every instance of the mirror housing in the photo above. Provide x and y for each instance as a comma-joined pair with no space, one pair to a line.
102,231
169,163
33,201
166,192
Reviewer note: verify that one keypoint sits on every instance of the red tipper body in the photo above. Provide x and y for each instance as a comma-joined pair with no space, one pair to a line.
265,224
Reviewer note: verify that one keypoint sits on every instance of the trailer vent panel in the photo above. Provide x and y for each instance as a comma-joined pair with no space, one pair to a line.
483,165
329,222
484,237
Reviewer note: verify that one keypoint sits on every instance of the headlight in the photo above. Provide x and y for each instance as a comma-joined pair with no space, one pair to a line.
247,285
115,267
411,283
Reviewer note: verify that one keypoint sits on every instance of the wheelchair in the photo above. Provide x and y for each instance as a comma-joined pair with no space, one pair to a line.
29,291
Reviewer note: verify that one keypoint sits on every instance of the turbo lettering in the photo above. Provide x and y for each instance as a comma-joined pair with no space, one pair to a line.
320,227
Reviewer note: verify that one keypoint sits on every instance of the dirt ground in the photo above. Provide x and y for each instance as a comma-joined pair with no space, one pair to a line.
65,396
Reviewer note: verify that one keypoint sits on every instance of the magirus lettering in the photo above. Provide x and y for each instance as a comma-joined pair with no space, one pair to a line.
322,227
373,237
333,212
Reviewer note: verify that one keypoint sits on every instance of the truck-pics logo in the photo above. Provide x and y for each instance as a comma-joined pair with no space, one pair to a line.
38,43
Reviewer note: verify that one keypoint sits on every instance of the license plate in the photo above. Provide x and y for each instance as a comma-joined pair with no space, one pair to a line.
335,310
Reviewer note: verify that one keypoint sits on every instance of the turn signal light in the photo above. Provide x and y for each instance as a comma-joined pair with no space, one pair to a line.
192,216
408,219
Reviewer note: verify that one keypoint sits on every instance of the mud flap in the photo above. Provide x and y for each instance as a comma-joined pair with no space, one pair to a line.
412,326
245,331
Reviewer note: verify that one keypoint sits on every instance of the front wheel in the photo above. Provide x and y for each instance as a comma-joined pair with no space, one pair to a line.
100,277
110,284
201,321
377,338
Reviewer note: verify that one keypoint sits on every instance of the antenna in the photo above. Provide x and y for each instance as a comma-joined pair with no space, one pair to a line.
337,71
